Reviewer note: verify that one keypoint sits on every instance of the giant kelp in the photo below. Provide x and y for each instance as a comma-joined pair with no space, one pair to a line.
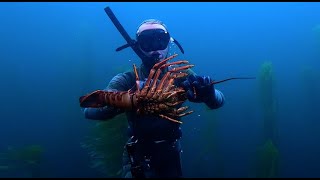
266,165
207,159
310,85
26,158
30,155
211,145
267,99
267,161
105,145
310,81
106,139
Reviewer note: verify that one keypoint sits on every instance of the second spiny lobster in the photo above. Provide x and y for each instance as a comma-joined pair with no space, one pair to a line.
155,98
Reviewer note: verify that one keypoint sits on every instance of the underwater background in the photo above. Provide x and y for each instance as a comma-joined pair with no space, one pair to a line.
53,53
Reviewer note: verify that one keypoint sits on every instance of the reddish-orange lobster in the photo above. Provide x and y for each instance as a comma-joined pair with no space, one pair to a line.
154,98
160,99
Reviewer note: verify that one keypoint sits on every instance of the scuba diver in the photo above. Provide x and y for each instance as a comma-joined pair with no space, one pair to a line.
153,149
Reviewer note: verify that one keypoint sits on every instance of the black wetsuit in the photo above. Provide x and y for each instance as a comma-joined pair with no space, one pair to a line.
157,139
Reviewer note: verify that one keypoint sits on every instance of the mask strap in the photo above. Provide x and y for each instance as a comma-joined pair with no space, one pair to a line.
178,44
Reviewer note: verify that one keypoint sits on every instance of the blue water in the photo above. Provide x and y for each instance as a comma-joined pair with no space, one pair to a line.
51,53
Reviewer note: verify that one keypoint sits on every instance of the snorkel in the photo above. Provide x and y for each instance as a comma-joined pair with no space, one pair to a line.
131,42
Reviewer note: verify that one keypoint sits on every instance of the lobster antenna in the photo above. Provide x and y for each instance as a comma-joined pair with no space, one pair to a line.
217,82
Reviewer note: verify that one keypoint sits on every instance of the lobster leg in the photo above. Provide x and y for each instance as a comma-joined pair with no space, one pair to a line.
181,68
154,91
174,63
160,88
137,78
165,77
169,85
169,118
181,74
152,71
174,104
181,114
159,64
153,86
144,90
176,113
180,110
166,81
159,67
175,93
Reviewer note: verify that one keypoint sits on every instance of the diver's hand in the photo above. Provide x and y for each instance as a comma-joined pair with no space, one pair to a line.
198,88
142,83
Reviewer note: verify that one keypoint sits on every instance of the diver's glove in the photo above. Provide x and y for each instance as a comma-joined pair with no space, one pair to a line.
142,83
198,89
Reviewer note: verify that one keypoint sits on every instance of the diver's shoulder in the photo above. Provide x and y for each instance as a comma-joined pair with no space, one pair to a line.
125,73
122,81
127,76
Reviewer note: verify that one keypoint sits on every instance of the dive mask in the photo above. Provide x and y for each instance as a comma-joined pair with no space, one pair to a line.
153,40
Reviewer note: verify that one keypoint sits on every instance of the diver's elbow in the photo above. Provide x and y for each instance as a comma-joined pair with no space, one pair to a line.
103,114
96,114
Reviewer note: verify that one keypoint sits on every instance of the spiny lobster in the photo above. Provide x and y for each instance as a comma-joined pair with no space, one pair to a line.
155,98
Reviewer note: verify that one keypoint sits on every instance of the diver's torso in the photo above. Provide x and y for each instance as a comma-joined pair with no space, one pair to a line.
151,127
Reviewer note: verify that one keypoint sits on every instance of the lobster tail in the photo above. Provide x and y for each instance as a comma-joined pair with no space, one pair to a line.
100,98
91,100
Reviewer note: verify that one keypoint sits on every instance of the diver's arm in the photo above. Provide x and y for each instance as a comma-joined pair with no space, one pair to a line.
104,113
215,100
117,83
